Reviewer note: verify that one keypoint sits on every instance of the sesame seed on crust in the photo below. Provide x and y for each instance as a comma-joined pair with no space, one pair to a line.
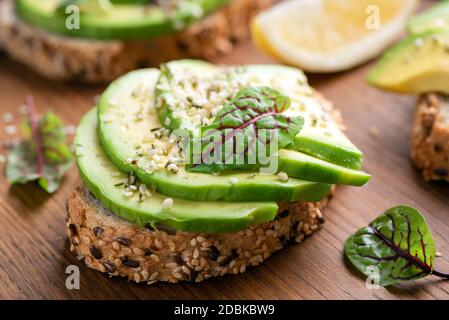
147,256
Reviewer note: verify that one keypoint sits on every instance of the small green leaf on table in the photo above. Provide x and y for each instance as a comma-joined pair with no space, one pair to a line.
43,155
398,244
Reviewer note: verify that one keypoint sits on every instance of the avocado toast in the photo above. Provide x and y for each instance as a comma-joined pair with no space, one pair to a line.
122,36
144,212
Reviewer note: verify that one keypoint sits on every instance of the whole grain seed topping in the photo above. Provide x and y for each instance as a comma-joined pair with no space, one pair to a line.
118,263
131,263
138,251
86,239
185,269
75,240
154,276
96,253
115,245
283,214
167,203
123,241
177,275
8,117
196,254
155,258
282,176
109,266
72,229
145,275
98,231
213,253
172,265
178,259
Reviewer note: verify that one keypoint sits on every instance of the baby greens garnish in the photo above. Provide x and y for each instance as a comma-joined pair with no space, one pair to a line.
398,244
246,131
43,155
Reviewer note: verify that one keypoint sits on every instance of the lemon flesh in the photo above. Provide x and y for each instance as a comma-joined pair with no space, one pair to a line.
330,35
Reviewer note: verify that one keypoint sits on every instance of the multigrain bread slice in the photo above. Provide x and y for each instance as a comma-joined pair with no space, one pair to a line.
430,138
90,61
119,248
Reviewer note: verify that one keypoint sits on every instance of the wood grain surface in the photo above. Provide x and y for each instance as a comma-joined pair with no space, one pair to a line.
34,253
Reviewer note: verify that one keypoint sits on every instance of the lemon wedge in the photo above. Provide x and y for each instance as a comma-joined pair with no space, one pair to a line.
330,35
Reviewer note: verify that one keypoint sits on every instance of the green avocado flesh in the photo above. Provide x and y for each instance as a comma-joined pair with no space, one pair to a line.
320,136
418,64
127,113
121,20
102,179
121,132
432,20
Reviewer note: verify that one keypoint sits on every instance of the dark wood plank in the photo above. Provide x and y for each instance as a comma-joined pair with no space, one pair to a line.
33,244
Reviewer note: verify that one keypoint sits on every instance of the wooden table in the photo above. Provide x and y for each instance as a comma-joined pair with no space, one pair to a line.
34,252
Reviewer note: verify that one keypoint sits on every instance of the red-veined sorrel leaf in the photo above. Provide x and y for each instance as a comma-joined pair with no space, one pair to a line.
43,155
245,133
398,244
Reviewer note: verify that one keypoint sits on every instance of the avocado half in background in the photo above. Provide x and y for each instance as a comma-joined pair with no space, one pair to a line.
139,213
110,40
419,64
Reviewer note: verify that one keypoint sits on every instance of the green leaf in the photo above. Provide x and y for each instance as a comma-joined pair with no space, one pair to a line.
53,139
398,244
43,155
23,167
251,125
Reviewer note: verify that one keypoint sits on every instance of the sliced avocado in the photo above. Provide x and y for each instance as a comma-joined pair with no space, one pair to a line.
103,179
297,164
320,136
122,20
432,20
169,75
126,112
418,64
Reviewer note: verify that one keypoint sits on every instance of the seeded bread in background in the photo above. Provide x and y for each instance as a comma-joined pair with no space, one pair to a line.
119,248
430,139
63,58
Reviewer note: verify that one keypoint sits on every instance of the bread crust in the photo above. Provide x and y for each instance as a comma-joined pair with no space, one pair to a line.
430,137
119,248
92,61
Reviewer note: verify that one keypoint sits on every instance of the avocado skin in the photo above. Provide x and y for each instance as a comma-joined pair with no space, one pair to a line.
104,28
184,185
98,173
409,68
